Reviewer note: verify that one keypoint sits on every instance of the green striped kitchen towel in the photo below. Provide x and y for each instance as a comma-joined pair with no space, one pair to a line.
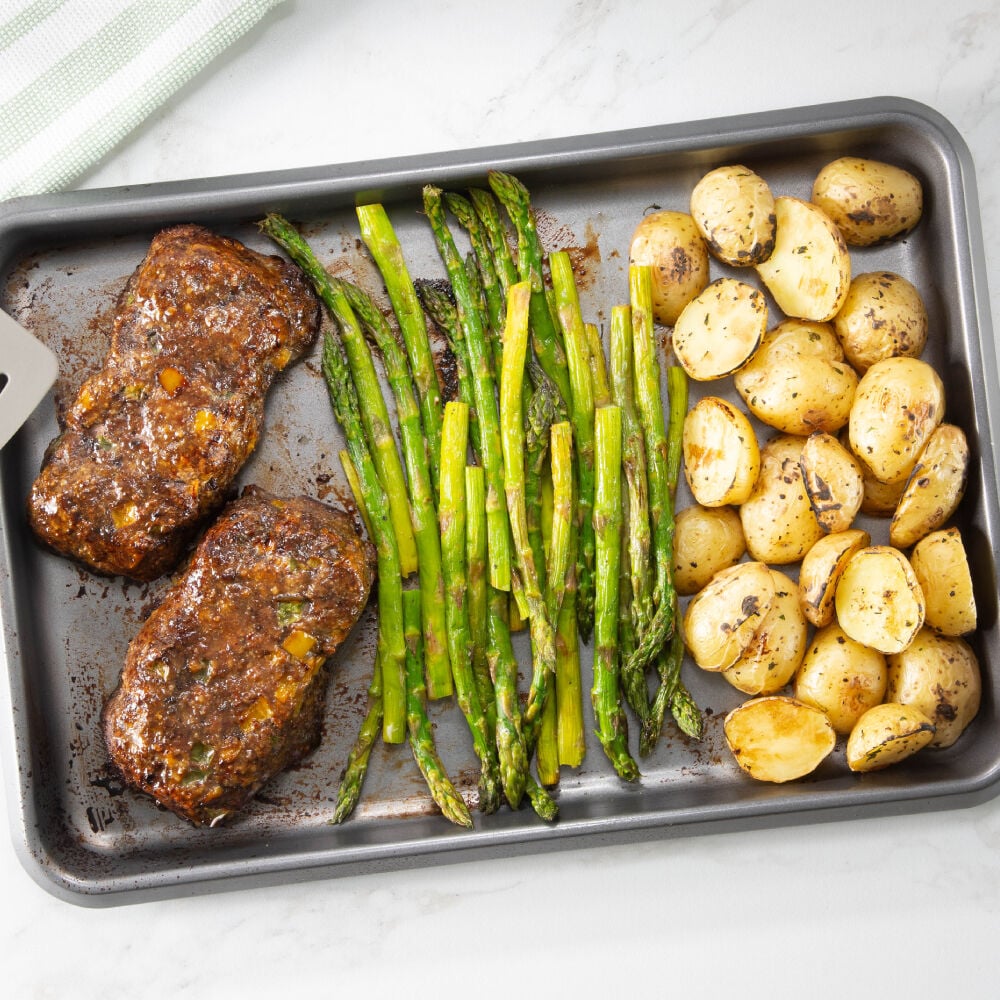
76,76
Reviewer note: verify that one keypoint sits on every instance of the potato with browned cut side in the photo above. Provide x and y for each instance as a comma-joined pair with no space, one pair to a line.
719,448
833,481
776,738
821,569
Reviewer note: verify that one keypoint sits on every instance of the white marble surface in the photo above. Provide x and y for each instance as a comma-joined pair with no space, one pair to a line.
854,908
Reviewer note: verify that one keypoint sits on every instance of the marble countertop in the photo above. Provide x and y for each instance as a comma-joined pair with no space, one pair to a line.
848,908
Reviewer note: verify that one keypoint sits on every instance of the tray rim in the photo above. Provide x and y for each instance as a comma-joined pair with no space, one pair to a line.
70,213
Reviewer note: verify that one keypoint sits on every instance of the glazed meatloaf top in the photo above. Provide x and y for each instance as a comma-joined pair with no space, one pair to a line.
223,685
153,441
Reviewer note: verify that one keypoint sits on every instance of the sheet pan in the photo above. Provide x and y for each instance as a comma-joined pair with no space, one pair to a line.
63,259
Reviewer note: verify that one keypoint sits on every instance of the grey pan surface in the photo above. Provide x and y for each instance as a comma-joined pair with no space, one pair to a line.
63,260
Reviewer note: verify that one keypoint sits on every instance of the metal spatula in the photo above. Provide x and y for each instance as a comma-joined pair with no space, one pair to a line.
27,371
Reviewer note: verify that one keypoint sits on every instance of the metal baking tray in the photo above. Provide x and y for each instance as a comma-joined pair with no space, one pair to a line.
63,260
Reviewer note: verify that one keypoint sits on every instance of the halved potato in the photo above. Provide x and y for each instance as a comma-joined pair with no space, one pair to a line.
721,619
721,457
833,481
809,270
669,242
841,676
720,329
821,569
733,209
870,201
879,601
798,380
883,316
777,647
778,521
887,734
941,566
776,738
706,540
939,675
898,404
934,488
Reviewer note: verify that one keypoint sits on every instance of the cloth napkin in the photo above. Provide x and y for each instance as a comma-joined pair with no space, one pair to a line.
76,76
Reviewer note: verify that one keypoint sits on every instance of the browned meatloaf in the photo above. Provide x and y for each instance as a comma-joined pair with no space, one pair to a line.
154,440
223,686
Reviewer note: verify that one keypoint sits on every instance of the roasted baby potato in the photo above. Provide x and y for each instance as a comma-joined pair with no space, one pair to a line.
869,201
879,601
669,242
833,481
777,647
821,569
898,403
934,488
941,566
776,738
883,316
706,540
778,521
721,457
721,619
798,381
720,329
809,269
733,209
940,676
841,677
887,734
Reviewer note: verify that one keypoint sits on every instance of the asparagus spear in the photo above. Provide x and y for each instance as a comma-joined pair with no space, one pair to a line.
488,213
671,690
443,792
647,392
444,316
478,586
493,293
511,419
374,412
515,198
425,526
352,480
382,243
598,366
391,644
638,538
582,409
612,726
452,517
513,753
484,391
349,790
561,598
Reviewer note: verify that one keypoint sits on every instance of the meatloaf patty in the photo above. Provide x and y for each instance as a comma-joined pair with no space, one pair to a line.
223,686
154,440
